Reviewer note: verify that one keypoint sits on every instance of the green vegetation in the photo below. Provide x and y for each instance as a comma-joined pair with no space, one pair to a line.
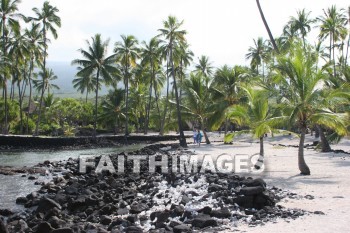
157,85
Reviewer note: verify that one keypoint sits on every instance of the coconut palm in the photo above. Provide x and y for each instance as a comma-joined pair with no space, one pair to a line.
112,108
127,53
301,25
333,25
197,102
305,105
257,115
49,20
257,54
151,55
8,22
204,67
173,35
84,84
41,86
226,92
96,62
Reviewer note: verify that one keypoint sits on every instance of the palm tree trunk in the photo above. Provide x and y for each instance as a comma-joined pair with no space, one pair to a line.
162,125
20,108
347,47
335,72
39,111
304,169
260,161
30,93
149,99
126,102
182,138
157,104
325,147
96,102
267,27
205,134
5,129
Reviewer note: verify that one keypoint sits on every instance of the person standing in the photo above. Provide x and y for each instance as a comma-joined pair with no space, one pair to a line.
194,136
199,137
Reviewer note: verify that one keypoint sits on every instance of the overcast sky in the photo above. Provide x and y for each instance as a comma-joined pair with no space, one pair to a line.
220,29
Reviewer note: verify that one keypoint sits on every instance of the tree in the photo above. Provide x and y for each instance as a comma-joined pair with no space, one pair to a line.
112,109
84,84
204,67
226,92
198,101
257,115
9,22
151,55
301,25
41,86
304,105
127,53
257,54
48,19
35,48
172,34
333,25
267,27
95,61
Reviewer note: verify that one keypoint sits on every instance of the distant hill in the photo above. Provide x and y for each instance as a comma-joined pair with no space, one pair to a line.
66,73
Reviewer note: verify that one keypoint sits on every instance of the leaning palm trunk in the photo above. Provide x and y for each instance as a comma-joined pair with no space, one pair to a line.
267,27
260,161
304,169
205,134
325,147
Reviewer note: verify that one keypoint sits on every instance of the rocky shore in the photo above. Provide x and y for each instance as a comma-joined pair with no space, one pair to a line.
145,202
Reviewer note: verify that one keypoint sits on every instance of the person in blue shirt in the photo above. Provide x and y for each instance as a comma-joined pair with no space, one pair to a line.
199,137
194,136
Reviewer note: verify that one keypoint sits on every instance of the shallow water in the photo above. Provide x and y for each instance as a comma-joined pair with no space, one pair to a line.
12,187
31,158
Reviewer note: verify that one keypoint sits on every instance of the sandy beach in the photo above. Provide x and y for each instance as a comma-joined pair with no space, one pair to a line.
328,183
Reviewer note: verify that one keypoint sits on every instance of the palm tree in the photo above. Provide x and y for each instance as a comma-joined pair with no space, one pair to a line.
257,54
267,27
226,92
112,108
48,19
41,86
301,25
151,55
257,115
198,100
333,25
84,84
8,17
304,105
204,67
35,48
127,54
173,35
95,61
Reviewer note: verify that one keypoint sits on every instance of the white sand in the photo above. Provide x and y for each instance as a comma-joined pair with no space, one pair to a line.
329,182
